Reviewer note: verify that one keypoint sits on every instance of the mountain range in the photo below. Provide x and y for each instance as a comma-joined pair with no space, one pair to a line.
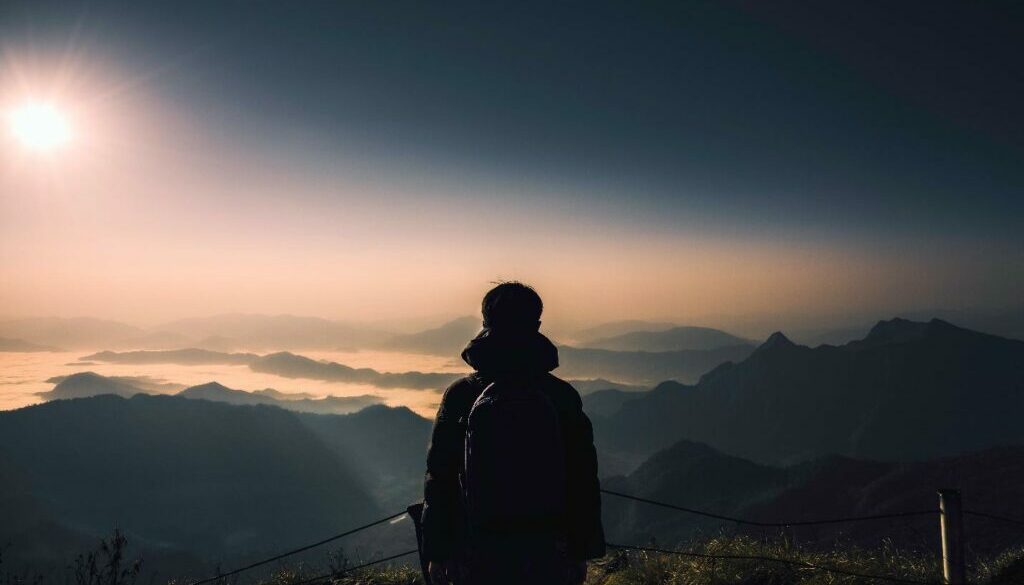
192,477
447,339
674,339
89,384
645,368
699,477
784,432
184,357
595,368
20,345
908,390
615,328
77,333
228,332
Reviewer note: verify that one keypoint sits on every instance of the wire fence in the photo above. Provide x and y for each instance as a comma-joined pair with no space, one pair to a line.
296,551
626,547
760,524
996,517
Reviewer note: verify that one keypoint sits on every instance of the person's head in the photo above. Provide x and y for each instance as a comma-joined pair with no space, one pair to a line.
512,306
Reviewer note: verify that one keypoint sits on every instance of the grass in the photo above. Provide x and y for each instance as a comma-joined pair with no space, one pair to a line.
804,567
652,568
109,565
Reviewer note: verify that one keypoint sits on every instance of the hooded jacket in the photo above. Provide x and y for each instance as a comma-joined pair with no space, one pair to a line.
494,355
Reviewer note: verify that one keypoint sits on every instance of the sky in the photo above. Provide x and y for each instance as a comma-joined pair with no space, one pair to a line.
388,160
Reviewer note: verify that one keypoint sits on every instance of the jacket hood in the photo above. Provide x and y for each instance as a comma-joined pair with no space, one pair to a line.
493,352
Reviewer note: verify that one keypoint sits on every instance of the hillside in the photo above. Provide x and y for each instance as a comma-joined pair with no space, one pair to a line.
606,403
674,339
190,475
893,395
329,405
385,446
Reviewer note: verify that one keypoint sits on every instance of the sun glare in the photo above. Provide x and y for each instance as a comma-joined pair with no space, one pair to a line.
39,127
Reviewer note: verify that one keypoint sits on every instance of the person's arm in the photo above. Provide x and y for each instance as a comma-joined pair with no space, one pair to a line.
586,532
441,508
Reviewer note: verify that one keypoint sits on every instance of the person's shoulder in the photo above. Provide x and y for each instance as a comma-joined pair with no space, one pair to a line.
461,392
464,385
563,391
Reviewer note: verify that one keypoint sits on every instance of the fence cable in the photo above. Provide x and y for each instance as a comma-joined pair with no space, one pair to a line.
994,517
278,557
298,550
802,564
770,524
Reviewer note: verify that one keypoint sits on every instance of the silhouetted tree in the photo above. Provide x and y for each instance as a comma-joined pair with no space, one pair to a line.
108,564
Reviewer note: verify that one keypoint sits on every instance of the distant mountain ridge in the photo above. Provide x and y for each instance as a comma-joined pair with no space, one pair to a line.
187,357
90,384
85,384
447,339
285,364
290,365
644,368
20,345
615,328
674,339
76,333
788,403
593,368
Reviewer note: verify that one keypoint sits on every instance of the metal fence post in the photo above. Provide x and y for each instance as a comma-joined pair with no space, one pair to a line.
951,521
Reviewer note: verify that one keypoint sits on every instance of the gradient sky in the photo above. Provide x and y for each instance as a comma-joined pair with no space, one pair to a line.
371,160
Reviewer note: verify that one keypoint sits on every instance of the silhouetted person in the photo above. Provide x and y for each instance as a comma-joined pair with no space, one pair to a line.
511,492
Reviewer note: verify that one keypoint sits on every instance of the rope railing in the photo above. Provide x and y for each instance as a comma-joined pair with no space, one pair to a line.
996,517
667,505
298,550
760,524
694,511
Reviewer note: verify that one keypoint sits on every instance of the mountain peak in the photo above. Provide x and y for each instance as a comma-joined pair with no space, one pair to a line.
86,384
775,341
899,330
208,387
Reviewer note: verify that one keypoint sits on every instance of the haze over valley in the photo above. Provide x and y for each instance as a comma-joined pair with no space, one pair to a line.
790,420
320,358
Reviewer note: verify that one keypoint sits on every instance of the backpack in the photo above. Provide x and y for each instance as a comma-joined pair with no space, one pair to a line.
514,470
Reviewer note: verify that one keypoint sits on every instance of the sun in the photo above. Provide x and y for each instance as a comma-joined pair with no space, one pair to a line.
40,127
